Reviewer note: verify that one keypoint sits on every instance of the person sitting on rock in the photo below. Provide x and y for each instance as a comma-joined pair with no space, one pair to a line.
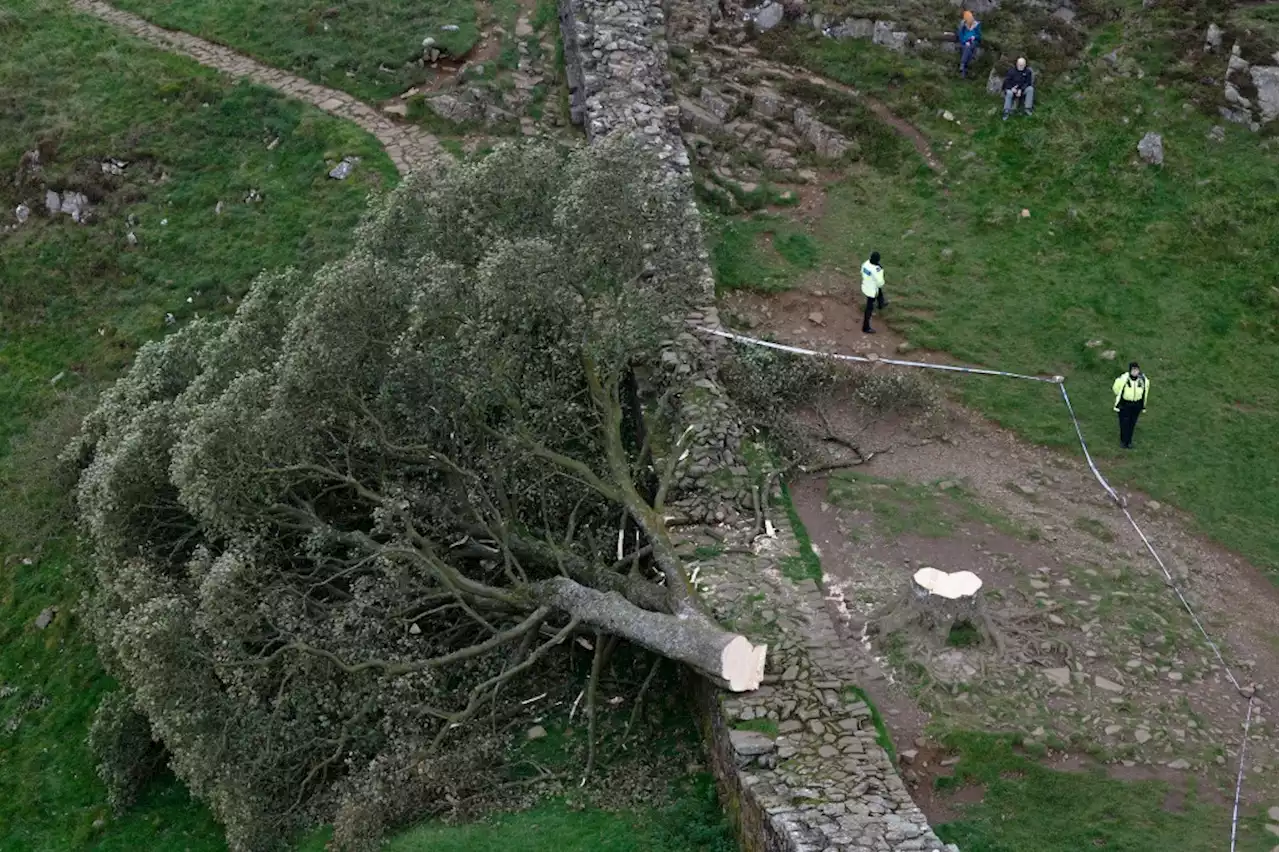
1019,83
969,37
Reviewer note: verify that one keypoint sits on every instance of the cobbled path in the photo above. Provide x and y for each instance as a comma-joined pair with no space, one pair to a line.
409,147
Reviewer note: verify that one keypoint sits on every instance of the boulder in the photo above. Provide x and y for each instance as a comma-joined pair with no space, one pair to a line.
1151,149
767,102
826,141
457,108
1213,38
853,28
1266,79
716,104
767,15
750,743
884,34
695,119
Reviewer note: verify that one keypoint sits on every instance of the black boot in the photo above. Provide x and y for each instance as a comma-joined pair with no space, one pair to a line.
868,330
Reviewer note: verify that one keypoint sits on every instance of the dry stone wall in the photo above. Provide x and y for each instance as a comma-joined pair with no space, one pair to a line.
811,777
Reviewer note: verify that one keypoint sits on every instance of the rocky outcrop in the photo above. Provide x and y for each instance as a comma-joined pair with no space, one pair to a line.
1251,90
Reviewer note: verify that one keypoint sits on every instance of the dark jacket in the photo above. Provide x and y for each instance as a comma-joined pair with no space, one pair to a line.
974,35
1016,79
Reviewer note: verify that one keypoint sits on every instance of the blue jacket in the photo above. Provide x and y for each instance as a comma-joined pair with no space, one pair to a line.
974,35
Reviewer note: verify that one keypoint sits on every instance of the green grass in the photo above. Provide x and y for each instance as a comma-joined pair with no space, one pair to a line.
856,693
690,822
805,564
191,139
1026,806
1174,267
763,726
924,510
763,253
348,50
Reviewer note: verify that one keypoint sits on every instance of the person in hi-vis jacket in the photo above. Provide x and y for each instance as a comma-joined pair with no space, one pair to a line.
873,289
1132,391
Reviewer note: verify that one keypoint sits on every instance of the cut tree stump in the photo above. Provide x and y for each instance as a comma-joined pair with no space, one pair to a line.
934,603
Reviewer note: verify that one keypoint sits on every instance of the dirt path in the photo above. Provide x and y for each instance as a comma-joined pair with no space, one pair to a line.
1046,537
408,147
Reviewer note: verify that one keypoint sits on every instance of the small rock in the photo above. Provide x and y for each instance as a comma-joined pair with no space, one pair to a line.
400,109
750,743
131,238
947,116
1175,676
343,169
1154,506
816,317
414,629
45,618
217,209
1217,133
1025,214
57,378
1142,735
170,319
1107,355
52,202
1180,763
23,212
1151,149
1112,730
1213,38
99,823
908,756
1059,676
1109,685
767,16
537,732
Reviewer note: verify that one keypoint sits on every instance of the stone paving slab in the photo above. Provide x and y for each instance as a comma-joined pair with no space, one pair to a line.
409,147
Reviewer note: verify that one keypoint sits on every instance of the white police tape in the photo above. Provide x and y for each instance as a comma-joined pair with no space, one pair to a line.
1106,486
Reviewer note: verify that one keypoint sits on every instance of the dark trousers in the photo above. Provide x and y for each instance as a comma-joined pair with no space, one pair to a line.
1129,412
967,54
872,301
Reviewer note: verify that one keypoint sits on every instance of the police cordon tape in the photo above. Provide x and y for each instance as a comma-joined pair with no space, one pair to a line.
1120,502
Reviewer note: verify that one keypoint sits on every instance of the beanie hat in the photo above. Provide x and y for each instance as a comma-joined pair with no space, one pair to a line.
875,258
1133,365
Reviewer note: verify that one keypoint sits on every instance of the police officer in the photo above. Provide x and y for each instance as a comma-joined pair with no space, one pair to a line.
1132,391
873,289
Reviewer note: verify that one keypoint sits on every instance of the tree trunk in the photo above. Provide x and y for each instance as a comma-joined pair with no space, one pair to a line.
729,659
934,603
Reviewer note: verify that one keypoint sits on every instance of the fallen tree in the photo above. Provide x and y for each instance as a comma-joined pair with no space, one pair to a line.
331,531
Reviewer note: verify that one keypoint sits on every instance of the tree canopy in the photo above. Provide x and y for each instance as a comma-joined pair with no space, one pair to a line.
332,528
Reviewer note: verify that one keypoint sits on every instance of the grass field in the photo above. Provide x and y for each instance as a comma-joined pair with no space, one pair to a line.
1026,806
77,301
1174,267
361,47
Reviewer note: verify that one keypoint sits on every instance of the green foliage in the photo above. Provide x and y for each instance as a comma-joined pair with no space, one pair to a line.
1027,806
346,50
804,565
857,693
128,757
797,249
273,495
691,822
